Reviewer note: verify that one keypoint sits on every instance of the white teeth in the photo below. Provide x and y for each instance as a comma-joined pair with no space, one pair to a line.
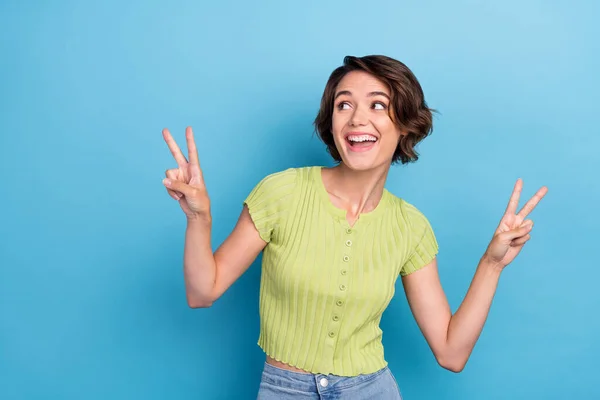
362,138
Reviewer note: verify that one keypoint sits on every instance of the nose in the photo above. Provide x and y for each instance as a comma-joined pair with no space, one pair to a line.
358,117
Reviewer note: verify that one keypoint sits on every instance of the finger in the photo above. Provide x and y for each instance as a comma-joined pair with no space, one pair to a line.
513,203
533,202
527,221
195,170
175,150
520,241
191,144
523,230
180,187
174,195
172,174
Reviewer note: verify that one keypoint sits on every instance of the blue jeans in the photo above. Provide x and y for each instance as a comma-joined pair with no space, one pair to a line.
281,384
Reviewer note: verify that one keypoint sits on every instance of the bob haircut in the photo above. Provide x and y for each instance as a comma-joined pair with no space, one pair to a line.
408,109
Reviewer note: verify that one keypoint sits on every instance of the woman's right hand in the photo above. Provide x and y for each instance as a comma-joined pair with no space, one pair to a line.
186,183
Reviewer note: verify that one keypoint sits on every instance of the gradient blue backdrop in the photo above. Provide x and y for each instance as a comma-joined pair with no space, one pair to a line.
92,302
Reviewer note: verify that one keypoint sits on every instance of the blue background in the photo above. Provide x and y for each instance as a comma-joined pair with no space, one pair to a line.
92,302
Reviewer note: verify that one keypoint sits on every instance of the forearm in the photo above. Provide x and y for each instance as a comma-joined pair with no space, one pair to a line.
199,263
467,323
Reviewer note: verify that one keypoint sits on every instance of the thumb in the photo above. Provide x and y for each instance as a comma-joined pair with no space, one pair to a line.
523,230
178,186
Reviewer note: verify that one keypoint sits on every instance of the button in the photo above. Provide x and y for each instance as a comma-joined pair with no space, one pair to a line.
348,242
342,287
331,334
346,258
348,230
336,318
324,382
343,272
339,303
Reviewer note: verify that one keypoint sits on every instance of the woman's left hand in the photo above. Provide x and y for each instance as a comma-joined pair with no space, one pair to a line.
514,229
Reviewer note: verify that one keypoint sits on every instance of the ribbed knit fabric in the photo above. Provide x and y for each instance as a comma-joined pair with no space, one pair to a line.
324,283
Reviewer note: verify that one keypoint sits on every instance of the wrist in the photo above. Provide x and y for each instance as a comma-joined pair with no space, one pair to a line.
491,265
202,220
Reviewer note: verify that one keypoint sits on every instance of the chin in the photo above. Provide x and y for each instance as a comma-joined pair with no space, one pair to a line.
355,165
365,164
363,158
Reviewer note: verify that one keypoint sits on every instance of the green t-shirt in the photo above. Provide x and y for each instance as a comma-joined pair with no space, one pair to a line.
325,284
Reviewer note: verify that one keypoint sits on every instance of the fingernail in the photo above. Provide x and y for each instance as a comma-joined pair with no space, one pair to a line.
167,181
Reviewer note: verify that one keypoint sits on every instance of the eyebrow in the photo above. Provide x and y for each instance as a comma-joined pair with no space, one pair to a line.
370,94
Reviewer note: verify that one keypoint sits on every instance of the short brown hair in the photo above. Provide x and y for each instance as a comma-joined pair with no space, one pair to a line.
408,108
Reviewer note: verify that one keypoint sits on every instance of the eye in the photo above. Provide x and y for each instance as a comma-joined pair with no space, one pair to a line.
343,105
378,105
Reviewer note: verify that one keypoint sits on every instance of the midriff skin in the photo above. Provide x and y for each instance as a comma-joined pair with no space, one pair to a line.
279,364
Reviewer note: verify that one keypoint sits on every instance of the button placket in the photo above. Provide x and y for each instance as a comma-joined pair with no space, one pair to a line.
343,285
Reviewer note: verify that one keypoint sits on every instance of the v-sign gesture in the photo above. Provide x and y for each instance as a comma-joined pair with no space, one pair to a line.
186,183
514,230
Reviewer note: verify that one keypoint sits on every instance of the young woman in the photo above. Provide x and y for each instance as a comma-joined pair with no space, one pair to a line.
334,241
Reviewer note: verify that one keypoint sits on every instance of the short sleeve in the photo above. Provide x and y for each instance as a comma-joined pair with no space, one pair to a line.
424,246
270,200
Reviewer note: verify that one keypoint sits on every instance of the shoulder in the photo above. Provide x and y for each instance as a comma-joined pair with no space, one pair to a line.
292,174
282,177
408,214
419,233
287,179
281,184
271,199
283,180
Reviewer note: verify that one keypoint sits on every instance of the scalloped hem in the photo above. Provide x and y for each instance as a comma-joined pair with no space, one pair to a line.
315,372
306,371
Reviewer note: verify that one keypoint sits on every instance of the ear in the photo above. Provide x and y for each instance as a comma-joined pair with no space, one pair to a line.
401,132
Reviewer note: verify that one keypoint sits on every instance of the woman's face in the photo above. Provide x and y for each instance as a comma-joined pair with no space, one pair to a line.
364,134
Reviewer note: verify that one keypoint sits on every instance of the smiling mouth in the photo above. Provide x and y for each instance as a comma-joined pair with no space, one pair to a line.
361,142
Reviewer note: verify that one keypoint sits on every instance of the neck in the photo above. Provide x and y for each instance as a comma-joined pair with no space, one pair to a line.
356,191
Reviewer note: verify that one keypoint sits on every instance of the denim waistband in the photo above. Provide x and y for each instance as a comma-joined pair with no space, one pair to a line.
313,383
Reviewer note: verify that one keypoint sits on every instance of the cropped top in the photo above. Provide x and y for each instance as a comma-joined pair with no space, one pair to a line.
325,284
